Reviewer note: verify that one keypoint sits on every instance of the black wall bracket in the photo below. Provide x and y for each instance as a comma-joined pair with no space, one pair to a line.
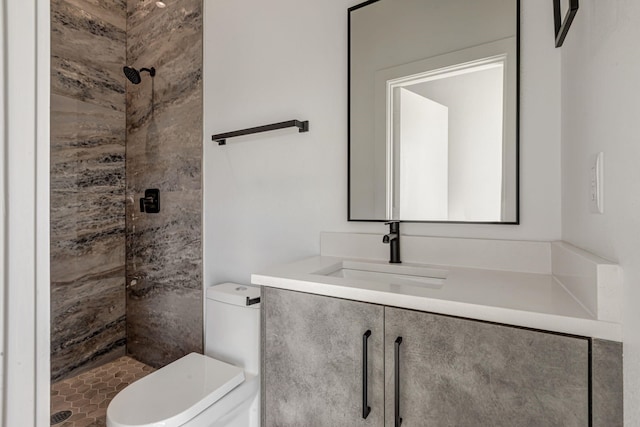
221,138
562,23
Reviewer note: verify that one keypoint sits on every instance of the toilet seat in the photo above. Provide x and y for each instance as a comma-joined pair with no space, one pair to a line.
173,395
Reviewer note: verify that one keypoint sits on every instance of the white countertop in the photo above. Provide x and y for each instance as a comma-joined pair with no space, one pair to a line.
529,300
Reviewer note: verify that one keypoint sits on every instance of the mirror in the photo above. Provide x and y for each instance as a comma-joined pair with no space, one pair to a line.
433,111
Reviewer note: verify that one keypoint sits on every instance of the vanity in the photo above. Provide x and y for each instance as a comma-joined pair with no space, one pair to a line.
461,332
487,333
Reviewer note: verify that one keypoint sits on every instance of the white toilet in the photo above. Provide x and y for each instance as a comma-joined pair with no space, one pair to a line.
219,389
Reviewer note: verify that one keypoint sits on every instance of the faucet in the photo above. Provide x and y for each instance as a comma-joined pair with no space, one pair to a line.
393,239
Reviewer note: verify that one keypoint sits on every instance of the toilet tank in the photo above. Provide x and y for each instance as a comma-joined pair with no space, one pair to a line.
232,328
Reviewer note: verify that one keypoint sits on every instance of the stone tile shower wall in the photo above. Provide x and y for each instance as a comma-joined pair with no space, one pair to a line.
88,46
164,151
90,202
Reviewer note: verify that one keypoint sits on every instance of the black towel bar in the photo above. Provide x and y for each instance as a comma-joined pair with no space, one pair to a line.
221,138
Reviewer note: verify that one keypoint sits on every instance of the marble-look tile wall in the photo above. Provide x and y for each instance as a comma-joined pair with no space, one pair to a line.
164,151
88,46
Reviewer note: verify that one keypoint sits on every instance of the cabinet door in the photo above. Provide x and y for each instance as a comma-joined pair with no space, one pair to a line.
313,360
459,372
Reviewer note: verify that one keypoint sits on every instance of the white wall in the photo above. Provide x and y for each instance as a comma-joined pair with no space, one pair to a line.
267,198
600,90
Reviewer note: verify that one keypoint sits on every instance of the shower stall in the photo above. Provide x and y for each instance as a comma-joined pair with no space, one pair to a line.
124,282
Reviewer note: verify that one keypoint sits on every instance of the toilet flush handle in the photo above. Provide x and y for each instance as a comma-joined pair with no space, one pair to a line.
253,301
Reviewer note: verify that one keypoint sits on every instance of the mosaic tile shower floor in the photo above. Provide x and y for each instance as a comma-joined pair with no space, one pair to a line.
87,395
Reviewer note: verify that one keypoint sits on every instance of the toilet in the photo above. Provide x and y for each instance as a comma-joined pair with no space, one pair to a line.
218,389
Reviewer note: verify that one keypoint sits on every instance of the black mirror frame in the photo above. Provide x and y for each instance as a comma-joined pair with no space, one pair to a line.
516,221
562,24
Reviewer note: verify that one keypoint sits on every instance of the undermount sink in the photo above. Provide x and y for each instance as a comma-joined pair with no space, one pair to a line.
395,274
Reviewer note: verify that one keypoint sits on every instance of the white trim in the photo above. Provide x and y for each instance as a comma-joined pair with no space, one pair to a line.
446,72
25,396
3,212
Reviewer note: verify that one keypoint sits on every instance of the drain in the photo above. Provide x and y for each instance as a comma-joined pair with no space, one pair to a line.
59,417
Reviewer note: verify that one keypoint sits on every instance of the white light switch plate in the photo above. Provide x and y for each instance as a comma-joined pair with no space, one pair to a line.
596,199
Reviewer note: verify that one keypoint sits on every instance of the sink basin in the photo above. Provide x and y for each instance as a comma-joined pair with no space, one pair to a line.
395,274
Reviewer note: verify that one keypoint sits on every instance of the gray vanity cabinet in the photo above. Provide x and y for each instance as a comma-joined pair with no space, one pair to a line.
458,372
313,361
452,371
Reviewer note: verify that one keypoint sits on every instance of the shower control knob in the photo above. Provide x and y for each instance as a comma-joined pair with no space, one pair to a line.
150,203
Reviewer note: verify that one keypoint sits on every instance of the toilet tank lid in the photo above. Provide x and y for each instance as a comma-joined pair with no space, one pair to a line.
236,294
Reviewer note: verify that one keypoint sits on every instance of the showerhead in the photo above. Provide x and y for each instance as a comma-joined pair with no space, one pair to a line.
134,75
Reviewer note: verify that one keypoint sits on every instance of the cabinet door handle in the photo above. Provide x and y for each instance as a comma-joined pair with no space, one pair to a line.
398,420
365,358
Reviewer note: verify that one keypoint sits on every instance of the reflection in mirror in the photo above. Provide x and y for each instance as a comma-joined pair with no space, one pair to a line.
433,139
462,170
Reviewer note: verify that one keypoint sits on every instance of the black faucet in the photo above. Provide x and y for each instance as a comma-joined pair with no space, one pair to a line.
393,239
